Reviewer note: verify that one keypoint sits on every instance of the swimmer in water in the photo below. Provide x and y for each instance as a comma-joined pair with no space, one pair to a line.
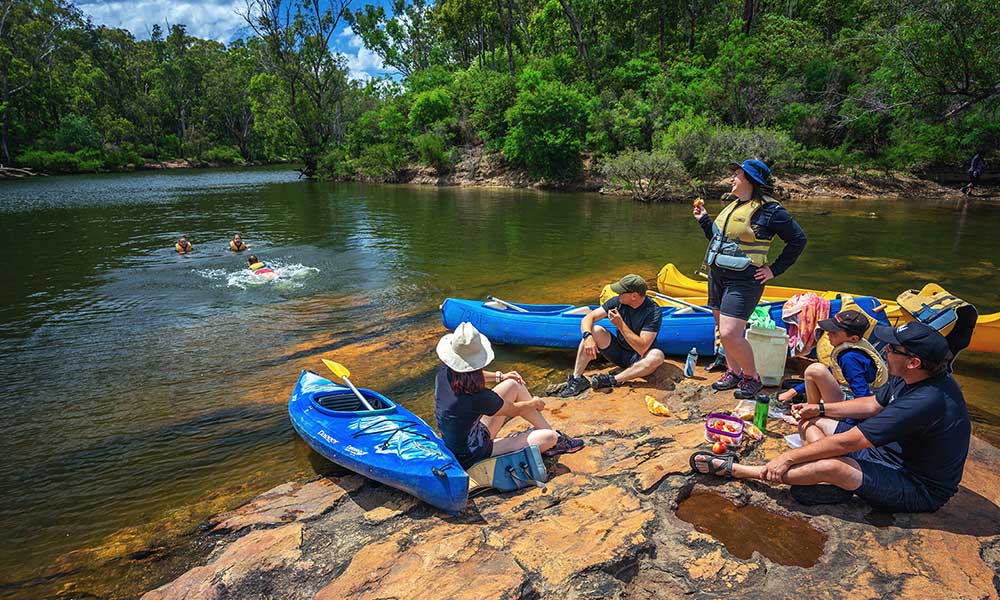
183,246
260,269
237,245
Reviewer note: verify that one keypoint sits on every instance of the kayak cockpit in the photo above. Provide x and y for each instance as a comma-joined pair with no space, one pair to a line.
344,401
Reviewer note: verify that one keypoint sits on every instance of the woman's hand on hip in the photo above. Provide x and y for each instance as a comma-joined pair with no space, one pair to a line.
763,274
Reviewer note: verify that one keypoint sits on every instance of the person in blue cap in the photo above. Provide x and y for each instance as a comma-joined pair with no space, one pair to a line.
909,453
739,240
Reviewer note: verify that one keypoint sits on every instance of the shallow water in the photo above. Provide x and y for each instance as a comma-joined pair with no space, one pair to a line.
789,541
144,390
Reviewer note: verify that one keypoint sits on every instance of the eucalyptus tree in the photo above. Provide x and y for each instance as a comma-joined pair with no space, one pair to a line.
297,36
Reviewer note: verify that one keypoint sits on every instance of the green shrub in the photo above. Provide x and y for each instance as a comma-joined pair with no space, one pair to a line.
227,155
382,162
431,151
56,162
430,107
335,165
546,128
706,149
76,133
650,176
483,97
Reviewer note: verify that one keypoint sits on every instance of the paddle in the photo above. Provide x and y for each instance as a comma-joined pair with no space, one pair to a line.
341,371
681,302
507,304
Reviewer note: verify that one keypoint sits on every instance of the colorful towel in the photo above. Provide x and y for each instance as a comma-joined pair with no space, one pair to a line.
802,313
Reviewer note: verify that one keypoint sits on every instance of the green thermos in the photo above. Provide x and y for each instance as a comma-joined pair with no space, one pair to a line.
760,411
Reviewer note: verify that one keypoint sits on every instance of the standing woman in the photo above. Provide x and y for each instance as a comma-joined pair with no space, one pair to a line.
739,240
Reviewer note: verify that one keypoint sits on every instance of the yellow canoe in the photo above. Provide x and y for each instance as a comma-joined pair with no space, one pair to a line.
670,281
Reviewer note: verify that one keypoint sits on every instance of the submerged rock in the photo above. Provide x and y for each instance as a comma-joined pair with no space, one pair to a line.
605,527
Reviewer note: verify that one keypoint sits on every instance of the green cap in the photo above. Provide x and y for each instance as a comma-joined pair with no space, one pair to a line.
630,283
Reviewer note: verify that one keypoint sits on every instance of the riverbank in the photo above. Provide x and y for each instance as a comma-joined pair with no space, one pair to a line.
477,168
606,527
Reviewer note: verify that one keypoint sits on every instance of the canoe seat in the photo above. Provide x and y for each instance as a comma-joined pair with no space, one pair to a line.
346,402
495,305
579,310
684,311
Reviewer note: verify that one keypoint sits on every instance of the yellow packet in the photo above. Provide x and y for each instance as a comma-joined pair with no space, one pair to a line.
751,430
656,407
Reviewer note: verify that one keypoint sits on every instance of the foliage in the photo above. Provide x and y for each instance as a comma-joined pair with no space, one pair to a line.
227,155
432,151
649,176
429,108
546,127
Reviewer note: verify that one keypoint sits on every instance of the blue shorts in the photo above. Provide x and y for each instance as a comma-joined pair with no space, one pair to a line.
480,446
886,485
622,355
733,297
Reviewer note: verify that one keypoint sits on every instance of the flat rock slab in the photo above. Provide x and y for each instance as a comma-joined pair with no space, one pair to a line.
605,527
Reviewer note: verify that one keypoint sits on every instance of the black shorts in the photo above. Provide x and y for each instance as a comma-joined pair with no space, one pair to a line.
733,297
622,355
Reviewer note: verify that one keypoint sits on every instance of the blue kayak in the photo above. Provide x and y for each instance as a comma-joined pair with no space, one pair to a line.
389,444
558,325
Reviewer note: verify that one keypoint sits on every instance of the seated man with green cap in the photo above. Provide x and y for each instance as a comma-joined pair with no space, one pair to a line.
637,319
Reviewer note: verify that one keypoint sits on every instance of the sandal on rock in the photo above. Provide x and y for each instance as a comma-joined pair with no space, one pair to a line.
821,493
726,470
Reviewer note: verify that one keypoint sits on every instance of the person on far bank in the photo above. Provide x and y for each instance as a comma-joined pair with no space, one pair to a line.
183,246
637,319
739,240
855,366
470,415
907,454
976,168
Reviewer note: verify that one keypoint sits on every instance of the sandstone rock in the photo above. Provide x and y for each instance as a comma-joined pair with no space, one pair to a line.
605,527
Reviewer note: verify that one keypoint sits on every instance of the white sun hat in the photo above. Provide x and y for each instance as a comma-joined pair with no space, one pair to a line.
465,350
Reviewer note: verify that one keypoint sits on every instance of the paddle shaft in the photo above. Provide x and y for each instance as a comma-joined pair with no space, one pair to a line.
357,393
507,304
682,303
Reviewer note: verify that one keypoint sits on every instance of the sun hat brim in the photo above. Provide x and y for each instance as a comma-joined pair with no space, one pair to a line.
460,364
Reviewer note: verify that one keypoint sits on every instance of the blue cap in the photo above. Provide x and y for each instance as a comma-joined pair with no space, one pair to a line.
756,170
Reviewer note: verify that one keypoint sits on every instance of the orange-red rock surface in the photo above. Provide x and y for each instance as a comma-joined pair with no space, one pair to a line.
604,528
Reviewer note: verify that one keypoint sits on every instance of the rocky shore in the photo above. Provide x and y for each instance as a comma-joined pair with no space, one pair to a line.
605,527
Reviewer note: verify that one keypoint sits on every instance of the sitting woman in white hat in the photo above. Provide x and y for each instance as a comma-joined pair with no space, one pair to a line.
469,415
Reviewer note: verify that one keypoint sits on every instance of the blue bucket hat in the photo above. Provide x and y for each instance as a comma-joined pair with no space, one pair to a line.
755,170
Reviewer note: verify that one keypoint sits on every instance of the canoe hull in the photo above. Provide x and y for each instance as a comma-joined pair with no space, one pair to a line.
985,337
558,326
390,445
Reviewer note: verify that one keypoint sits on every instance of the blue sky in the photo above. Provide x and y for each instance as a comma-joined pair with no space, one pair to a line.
218,20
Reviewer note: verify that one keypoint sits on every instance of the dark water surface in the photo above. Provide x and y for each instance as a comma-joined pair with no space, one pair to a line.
143,391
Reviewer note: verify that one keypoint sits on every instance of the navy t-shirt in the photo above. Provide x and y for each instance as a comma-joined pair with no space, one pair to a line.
457,416
929,421
859,370
647,317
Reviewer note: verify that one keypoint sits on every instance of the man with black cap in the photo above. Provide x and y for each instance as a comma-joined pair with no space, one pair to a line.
853,369
637,319
909,453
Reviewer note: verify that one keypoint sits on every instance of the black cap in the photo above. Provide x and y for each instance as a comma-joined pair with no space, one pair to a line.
851,322
919,339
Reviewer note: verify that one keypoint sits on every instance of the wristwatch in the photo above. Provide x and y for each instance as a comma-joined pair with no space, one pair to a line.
822,409
585,335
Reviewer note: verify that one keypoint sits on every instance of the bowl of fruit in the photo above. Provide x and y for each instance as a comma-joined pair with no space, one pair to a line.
724,429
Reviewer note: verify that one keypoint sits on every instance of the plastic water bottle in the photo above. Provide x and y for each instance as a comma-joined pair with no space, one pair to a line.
760,411
690,363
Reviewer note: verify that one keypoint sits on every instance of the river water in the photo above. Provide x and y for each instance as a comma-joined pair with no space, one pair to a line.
143,391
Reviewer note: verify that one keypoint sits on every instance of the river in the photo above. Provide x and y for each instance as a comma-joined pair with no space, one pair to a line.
143,391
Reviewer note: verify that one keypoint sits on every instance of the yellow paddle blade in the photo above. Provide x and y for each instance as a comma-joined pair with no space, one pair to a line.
338,369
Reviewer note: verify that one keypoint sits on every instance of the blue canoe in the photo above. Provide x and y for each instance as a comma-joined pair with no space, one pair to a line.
558,325
389,444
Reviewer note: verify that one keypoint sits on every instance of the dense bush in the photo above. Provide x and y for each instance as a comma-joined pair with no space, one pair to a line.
432,151
649,176
429,108
546,128
335,165
227,155
705,149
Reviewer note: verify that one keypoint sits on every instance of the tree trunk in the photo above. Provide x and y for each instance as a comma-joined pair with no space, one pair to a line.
748,10
692,18
581,44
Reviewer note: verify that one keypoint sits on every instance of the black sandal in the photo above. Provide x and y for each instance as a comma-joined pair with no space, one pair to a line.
726,470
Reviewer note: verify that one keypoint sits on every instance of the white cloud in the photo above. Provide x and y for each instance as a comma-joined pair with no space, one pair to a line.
362,63
217,20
